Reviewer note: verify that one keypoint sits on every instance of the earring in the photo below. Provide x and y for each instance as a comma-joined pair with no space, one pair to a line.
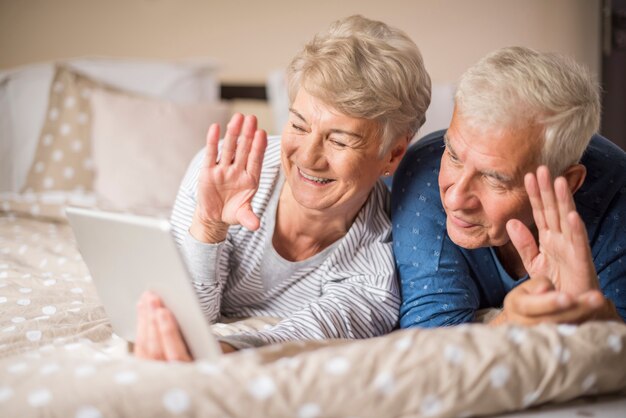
386,173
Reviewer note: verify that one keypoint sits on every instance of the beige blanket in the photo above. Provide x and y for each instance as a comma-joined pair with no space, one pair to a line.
58,357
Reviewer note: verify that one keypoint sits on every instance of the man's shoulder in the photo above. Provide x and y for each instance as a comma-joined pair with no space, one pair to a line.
604,154
605,181
429,146
420,165
601,201
416,208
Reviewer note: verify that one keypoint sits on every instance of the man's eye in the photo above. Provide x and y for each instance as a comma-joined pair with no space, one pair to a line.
494,183
453,158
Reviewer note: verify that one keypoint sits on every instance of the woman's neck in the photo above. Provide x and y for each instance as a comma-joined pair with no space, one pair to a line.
300,233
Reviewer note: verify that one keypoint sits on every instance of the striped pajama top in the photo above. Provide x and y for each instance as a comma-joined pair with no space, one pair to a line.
349,291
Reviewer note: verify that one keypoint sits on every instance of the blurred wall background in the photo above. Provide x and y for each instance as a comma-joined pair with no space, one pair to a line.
251,38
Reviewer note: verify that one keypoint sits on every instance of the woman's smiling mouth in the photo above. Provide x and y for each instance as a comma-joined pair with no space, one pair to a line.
316,180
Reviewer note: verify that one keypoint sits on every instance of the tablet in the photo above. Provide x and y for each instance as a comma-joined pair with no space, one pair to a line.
127,255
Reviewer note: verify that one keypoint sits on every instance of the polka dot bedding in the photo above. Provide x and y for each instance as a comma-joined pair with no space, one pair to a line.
58,357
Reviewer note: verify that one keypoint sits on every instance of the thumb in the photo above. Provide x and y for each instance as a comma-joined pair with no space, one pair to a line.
523,241
247,218
538,285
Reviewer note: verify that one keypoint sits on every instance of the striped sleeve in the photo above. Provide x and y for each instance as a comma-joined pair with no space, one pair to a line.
200,258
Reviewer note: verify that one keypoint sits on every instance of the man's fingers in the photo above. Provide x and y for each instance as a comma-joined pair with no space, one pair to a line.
565,203
532,188
579,237
523,241
174,347
538,305
540,285
548,198
578,313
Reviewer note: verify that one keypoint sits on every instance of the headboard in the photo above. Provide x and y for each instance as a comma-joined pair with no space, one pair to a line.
252,99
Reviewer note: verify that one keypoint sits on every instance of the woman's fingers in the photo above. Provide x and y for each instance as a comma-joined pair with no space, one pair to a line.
257,151
212,139
245,141
247,218
229,145
240,135
153,341
174,347
249,126
158,335
142,327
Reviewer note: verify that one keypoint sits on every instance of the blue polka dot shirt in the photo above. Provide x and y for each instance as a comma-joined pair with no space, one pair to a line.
444,284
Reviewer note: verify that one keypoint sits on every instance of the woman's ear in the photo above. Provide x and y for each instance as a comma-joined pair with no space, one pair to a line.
575,177
395,155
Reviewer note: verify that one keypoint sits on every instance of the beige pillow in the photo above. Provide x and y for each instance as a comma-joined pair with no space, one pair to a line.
63,157
141,147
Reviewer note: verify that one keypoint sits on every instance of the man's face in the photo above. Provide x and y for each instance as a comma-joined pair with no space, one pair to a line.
481,180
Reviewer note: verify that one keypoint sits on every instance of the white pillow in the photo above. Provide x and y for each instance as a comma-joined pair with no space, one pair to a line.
24,97
439,113
141,147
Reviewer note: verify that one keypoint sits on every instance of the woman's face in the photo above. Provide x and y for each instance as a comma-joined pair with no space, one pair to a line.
330,160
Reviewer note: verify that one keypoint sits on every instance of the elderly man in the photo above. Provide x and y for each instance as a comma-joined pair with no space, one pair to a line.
478,220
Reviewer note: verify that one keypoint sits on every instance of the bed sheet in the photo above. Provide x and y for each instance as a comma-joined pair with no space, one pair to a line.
58,357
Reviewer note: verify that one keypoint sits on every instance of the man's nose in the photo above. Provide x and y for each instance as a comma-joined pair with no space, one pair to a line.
460,195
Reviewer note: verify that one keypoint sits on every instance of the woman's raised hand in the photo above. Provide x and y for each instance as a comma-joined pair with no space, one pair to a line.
227,182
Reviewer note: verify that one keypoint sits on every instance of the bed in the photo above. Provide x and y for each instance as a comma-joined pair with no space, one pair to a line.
84,132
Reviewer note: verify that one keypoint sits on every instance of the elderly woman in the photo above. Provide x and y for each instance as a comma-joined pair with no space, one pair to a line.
297,227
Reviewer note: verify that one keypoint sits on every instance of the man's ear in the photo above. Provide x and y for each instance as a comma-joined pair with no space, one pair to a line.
397,152
575,176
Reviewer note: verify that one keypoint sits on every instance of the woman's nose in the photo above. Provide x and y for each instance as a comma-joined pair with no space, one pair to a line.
312,151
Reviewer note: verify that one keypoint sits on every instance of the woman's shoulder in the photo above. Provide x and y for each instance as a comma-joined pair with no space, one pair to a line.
369,237
272,152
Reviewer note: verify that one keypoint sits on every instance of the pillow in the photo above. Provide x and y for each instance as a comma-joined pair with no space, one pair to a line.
141,146
23,103
63,156
259,108
24,98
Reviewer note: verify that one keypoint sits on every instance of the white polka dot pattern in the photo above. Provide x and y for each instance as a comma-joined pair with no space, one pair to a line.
57,361
64,145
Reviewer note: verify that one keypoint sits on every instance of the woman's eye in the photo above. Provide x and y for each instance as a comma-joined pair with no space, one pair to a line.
297,128
338,143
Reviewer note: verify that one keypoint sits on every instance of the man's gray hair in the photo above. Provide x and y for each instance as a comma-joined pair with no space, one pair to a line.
517,86
366,69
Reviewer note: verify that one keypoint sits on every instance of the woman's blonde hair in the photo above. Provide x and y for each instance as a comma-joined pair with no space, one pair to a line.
518,86
366,69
